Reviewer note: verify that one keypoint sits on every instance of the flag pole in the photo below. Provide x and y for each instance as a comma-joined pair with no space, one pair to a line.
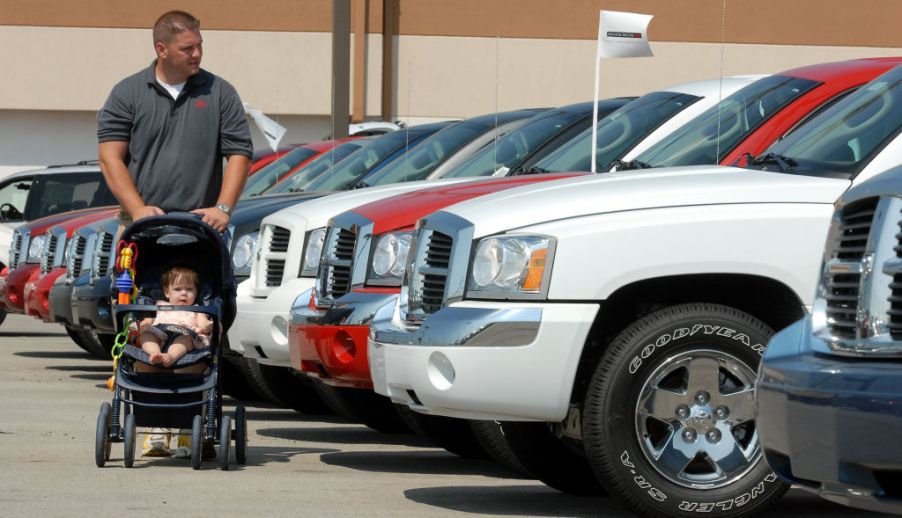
595,96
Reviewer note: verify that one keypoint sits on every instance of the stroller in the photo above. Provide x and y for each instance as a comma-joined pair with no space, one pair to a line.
171,398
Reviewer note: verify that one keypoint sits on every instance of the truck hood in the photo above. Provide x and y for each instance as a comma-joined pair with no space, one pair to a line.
642,189
403,210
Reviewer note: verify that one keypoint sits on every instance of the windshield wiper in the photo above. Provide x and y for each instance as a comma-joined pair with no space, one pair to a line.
622,165
359,185
532,170
783,162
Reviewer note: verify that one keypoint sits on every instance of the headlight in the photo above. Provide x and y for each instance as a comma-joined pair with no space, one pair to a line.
243,255
35,247
510,266
389,259
313,249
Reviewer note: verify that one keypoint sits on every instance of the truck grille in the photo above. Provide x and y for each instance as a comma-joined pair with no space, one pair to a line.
278,241
15,251
435,275
843,288
895,299
76,257
335,277
47,257
103,255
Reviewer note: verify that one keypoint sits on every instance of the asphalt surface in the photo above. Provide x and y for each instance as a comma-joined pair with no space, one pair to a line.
297,465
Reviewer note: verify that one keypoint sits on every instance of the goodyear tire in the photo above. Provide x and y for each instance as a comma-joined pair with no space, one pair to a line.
452,434
284,387
668,419
491,437
366,407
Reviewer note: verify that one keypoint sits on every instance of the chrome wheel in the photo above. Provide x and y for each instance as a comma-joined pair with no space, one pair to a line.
695,419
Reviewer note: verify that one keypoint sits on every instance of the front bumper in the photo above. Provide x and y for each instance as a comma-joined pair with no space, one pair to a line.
37,298
260,329
61,302
14,295
832,424
482,360
91,304
332,343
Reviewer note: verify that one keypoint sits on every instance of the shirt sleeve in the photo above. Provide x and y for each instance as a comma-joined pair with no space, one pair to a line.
234,134
116,117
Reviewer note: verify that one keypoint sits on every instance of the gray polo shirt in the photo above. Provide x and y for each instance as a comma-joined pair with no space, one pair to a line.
176,146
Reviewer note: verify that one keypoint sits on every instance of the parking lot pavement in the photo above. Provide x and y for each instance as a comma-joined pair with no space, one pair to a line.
297,465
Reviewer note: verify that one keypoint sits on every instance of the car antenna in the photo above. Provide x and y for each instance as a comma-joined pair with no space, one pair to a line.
723,23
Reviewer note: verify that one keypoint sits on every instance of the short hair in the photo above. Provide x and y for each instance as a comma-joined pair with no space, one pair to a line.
176,273
172,23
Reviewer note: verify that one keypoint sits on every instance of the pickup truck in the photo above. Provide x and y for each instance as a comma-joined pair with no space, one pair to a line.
618,320
829,386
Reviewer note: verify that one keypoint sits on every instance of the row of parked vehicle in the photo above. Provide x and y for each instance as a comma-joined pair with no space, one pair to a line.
601,333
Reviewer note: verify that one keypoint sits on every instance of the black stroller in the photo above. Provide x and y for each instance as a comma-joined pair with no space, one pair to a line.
171,398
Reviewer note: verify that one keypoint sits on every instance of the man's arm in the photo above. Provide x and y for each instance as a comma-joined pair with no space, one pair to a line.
233,178
112,162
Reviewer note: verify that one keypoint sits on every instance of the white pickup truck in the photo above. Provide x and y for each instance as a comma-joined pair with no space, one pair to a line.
625,314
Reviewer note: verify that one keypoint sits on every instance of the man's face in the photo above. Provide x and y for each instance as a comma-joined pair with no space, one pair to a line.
182,54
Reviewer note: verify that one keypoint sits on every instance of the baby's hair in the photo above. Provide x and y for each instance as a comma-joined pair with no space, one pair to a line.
176,273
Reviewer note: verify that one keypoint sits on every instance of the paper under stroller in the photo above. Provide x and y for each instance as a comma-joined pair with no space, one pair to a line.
172,398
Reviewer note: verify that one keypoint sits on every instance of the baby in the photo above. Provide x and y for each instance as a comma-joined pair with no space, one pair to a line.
180,286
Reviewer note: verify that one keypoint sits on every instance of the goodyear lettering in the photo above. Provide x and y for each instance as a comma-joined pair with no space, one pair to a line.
688,506
682,332
726,505
726,332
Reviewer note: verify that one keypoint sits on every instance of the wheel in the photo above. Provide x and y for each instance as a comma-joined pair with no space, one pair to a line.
367,407
281,386
225,443
99,345
669,419
77,336
240,435
491,438
2,315
196,441
102,441
234,383
454,435
129,440
550,460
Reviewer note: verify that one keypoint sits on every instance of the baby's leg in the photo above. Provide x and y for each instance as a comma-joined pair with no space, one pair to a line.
151,346
177,349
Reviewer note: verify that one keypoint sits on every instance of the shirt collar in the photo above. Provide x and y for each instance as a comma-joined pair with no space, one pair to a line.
150,75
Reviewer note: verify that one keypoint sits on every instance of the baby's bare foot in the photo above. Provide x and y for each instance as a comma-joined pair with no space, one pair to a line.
167,360
156,358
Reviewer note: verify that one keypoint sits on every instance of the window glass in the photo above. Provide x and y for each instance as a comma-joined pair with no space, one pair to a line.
732,120
13,196
316,167
54,193
617,133
270,174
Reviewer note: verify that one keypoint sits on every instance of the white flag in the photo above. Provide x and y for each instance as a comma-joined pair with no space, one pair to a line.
620,35
623,35
272,130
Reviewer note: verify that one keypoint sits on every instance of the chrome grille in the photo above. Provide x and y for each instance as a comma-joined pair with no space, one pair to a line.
895,299
340,263
843,288
103,255
435,274
76,257
15,251
275,269
47,256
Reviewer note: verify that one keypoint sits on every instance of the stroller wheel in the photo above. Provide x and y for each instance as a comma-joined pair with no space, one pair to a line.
102,437
196,441
225,442
240,434
129,440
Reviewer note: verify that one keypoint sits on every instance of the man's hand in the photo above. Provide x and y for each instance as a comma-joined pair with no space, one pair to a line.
214,217
146,211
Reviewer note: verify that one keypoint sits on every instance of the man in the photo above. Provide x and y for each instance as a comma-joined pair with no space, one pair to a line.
164,131
163,134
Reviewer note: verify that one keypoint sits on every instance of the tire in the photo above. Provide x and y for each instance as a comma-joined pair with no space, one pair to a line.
697,363
550,460
196,441
102,441
454,435
234,382
76,334
367,407
225,443
240,435
2,315
280,385
491,437
99,345
129,439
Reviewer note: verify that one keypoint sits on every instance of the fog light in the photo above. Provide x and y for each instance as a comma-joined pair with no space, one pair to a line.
279,330
440,371
343,348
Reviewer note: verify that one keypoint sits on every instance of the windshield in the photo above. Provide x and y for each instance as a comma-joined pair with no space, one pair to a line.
510,150
733,119
316,167
419,162
272,173
617,133
52,194
844,138
363,161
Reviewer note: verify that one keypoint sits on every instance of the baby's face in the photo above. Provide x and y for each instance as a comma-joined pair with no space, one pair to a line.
180,293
